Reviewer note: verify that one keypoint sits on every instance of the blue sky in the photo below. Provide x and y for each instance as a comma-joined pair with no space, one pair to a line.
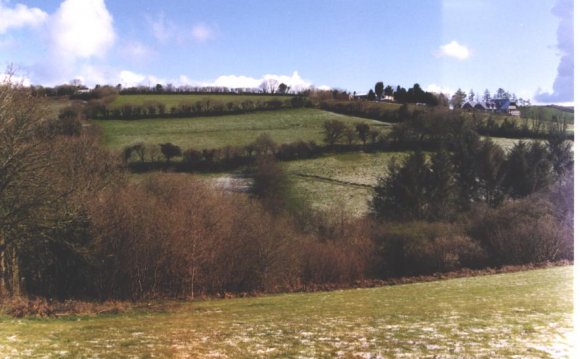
522,46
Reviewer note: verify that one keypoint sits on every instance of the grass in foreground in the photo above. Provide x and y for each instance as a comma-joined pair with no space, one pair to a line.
211,132
524,314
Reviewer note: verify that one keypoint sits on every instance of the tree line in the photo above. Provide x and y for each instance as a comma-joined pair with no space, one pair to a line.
203,107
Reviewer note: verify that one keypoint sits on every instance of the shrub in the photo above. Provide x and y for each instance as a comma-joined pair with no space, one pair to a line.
423,248
524,231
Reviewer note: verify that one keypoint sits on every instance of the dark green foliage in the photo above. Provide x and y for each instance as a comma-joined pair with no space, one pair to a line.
170,150
363,132
402,195
560,150
442,187
379,89
465,147
527,169
490,159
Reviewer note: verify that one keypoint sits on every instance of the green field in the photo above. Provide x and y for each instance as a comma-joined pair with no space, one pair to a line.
524,314
176,99
211,132
340,180
548,113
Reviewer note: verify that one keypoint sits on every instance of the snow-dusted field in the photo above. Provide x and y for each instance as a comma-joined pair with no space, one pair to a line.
520,315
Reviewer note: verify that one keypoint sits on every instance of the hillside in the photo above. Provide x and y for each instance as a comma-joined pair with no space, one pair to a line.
210,132
524,314
176,99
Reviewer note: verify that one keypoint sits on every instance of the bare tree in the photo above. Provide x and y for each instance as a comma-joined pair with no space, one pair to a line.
269,86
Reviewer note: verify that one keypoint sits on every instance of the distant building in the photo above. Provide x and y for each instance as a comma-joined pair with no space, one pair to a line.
494,105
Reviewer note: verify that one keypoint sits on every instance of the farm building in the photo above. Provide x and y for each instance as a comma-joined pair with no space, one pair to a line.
495,105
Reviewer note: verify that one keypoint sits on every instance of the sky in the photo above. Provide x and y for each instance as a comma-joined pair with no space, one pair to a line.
525,47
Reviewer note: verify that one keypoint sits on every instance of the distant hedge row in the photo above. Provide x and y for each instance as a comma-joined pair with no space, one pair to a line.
204,107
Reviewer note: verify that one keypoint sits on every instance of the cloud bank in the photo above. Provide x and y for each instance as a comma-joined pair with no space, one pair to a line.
82,29
129,78
19,16
454,50
563,87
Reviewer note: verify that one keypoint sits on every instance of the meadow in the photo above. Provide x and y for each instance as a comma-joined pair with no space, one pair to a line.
523,314
283,126
340,180
548,112
176,99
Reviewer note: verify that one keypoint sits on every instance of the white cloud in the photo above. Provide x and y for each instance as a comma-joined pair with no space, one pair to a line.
166,31
295,82
82,29
128,78
91,75
455,50
162,29
434,88
15,80
202,32
563,86
19,16
234,81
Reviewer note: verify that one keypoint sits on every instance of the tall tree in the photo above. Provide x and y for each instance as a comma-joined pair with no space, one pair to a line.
501,94
363,132
527,169
402,194
458,99
486,96
379,89
471,96
389,90
442,187
490,159
45,179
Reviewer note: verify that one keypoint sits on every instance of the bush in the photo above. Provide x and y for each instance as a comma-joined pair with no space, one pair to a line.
524,231
173,237
423,248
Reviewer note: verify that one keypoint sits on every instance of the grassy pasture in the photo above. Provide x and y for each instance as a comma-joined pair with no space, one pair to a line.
524,314
548,113
340,180
176,99
210,132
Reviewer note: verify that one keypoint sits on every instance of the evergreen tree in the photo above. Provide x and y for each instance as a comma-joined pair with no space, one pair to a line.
560,151
471,96
442,187
458,99
486,96
379,89
527,169
402,194
491,158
